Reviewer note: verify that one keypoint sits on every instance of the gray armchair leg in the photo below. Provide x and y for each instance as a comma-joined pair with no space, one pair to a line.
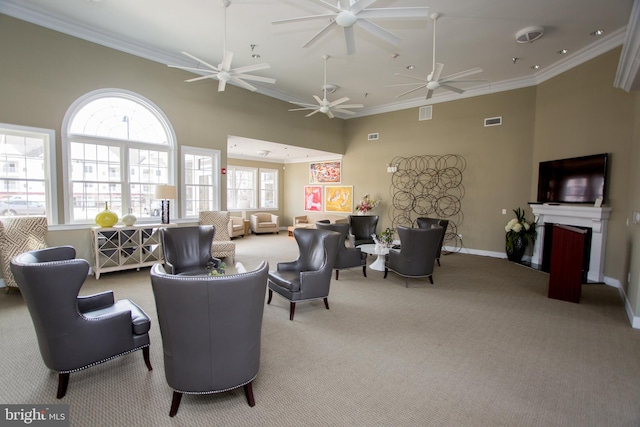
292,310
270,296
431,279
326,302
175,403
337,271
248,392
63,382
145,355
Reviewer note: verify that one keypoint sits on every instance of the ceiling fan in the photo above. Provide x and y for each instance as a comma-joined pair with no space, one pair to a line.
348,13
323,105
433,80
223,72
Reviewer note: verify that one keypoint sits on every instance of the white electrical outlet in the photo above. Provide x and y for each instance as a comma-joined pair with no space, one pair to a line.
504,211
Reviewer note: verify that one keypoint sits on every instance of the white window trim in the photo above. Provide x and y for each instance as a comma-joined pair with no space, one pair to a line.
256,188
277,177
216,154
51,184
103,93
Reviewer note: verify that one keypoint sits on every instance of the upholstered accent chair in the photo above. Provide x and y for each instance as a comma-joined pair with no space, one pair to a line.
347,257
424,222
75,332
17,235
417,254
187,250
308,277
222,246
361,229
236,226
211,329
263,222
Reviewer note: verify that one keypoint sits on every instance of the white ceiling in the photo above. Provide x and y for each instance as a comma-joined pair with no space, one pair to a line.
470,33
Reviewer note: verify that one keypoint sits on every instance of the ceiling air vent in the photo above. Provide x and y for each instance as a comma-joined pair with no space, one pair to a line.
425,113
373,136
529,34
493,121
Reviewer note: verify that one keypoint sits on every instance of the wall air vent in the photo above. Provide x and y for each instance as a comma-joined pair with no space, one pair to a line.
493,121
373,136
425,113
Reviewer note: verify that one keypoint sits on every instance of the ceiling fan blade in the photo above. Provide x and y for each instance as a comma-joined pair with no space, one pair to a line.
461,74
330,114
188,68
451,88
303,104
429,94
255,78
350,40
330,6
338,101
200,61
222,84
319,34
350,106
317,98
251,68
243,84
412,90
304,108
360,5
312,113
208,76
340,110
437,70
395,12
405,84
378,31
304,18
411,77
226,61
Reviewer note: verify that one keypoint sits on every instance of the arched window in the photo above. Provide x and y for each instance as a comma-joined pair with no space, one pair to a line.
117,146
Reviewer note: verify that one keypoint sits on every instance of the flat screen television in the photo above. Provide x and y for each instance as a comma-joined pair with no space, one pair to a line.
574,180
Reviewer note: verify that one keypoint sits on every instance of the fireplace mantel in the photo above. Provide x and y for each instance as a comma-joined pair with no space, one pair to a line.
580,216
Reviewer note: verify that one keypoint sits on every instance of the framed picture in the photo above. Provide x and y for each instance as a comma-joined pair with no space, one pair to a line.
325,172
338,198
313,198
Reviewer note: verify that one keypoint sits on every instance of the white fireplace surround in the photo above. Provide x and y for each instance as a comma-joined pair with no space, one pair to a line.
581,216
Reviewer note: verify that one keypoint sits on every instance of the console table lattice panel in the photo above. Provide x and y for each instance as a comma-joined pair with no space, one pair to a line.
125,247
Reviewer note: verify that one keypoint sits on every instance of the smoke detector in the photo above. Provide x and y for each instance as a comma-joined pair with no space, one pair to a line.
529,34
263,153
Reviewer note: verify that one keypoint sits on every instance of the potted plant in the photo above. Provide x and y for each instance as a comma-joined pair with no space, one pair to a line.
519,233
386,237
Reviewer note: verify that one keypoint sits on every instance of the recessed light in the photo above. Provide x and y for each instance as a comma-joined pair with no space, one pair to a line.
255,56
535,67
597,32
410,67
562,51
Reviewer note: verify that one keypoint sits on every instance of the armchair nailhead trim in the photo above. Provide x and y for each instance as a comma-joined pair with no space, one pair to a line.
103,360
217,391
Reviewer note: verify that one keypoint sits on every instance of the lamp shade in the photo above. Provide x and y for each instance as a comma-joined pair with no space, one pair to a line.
165,192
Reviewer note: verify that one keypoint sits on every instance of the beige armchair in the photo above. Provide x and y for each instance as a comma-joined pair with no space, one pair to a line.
222,246
18,235
236,226
262,222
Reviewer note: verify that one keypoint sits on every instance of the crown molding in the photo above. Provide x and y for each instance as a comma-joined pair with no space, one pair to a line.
629,66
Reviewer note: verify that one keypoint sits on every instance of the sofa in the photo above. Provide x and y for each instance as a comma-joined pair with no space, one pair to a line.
309,220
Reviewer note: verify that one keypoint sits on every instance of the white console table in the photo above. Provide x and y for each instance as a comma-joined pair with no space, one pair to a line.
124,247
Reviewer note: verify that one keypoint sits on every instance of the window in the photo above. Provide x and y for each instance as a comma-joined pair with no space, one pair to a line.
117,147
268,188
201,187
27,172
241,186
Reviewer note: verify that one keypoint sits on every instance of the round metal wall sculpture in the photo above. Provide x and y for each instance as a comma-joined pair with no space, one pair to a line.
429,186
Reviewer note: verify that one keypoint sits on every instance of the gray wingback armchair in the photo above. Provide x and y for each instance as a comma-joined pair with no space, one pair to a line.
424,222
362,227
417,254
347,257
308,277
187,250
210,327
75,332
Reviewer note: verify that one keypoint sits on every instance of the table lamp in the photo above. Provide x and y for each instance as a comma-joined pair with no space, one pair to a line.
244,205
165,192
